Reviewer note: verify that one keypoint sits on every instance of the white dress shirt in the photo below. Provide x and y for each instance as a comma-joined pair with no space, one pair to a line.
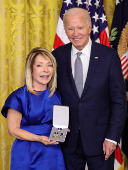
85,58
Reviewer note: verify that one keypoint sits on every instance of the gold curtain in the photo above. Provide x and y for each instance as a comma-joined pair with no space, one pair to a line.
109,6
24,24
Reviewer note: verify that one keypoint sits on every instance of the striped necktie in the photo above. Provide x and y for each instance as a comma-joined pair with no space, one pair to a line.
79,74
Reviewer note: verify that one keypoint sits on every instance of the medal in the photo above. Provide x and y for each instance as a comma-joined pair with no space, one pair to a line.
55,135
61,135
59,129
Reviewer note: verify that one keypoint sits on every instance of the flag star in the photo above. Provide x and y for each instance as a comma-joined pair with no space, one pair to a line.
97,4
78,2
88,3
103,18
68,2
117,2
95,29
95,17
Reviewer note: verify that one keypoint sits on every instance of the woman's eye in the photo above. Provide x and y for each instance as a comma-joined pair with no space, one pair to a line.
38,65
50,65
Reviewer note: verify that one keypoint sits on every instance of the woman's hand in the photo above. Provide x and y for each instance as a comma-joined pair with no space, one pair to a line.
45,140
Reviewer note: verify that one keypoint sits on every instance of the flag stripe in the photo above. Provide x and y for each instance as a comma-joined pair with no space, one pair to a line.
104,38
118,155
124,64
58,41
61,32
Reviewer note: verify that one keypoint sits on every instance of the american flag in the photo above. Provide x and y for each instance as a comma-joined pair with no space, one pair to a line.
99,33
95,8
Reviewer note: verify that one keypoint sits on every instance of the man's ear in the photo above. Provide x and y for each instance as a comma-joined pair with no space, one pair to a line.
90,28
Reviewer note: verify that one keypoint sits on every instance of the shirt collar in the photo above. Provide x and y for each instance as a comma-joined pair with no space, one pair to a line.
86,50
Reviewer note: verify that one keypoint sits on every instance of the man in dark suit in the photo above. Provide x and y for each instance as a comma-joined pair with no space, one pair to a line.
97,115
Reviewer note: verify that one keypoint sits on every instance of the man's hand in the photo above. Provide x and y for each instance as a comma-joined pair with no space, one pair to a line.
108,148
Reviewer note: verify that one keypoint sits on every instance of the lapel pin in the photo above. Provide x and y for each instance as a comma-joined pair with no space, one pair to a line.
96,57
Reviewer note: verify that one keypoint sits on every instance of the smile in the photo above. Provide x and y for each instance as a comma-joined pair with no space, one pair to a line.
76,39
44,76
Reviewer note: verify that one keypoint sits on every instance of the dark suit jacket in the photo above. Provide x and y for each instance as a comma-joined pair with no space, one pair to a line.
101,111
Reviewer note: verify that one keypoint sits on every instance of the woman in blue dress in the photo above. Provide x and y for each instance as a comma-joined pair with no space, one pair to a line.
29,112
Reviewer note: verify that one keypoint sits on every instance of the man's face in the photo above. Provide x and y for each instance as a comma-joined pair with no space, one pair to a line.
77,30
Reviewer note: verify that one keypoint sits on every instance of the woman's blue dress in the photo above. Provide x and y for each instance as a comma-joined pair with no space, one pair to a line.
37,115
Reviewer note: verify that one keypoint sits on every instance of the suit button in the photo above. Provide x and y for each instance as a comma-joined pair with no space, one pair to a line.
80,103
77,121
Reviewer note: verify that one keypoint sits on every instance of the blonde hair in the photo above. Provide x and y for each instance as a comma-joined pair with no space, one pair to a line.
73,11
29,69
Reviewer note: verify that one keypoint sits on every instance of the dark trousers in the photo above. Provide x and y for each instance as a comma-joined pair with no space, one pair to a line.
78,160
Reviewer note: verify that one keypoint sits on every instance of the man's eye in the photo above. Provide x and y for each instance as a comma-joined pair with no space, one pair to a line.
70,29
80,27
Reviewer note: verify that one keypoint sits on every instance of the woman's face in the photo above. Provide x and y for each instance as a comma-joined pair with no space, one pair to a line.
42,72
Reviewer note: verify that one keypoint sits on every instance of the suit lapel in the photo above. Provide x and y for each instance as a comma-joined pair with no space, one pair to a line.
94,60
